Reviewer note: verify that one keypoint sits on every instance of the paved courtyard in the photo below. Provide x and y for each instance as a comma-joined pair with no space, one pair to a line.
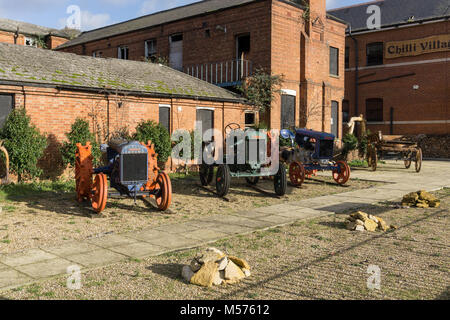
38,264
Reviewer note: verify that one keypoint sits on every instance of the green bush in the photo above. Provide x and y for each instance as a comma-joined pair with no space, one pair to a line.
79,133
350,143
24,143
158,135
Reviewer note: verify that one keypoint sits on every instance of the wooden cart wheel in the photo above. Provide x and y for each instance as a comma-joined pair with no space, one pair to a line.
100,193
343,176
252,180
373,158
164,195
280,181
408,162
223,179
297,173
419,158
206,174
83,171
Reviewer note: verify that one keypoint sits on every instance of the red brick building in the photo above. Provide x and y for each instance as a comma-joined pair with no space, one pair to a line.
55,88
27,34
398,75
222,42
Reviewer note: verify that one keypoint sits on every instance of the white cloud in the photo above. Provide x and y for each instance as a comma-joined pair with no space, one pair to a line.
151,6
120,3
331,4
89,20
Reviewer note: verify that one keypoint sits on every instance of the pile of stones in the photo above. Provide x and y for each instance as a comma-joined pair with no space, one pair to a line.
420,199
213,267
361,221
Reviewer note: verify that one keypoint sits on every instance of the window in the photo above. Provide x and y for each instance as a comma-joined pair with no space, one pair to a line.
123,53
347,57
30,42
150,49
250,119
97,54
334,61
207,33
6,106
345,111
206,117
374,110
375,53
164,116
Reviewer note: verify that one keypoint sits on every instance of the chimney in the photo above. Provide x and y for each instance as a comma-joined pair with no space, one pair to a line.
318,8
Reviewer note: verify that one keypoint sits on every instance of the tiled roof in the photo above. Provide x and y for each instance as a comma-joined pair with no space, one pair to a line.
155,19
30,29
21,64
393,12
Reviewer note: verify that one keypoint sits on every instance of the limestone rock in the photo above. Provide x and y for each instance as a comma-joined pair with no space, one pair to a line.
233,272
350,225
410,199
382,224
359,222
393,226
217,281
195,265
360,228
210,254
434,204
187,273
426,196
360,215
370,225
223,263
373,218
240,262
205,276
247,272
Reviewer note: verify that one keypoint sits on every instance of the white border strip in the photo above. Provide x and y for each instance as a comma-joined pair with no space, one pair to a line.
165,106
289,92
206,108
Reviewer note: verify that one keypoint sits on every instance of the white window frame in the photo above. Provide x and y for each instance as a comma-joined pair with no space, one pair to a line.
148,54
33,41
119,52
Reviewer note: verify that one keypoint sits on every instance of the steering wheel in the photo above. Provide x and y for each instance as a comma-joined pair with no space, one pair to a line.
231,127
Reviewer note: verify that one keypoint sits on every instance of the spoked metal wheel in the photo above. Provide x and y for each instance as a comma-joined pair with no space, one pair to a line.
297,173
206,174
342,175
163,196
252,180
223,179
407,160
280,180
100,193
419,158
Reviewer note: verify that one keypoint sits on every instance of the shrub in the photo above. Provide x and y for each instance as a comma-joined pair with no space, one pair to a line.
79,133
158,135
24,143
350,143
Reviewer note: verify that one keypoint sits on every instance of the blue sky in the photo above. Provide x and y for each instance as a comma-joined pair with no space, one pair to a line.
98,13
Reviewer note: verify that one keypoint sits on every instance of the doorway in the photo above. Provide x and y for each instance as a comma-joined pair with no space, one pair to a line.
176,52
287,111
334,118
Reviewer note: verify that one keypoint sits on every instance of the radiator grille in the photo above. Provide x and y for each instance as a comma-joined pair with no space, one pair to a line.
134,167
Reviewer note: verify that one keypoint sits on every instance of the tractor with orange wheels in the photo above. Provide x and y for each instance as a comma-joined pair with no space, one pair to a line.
132,171
312,151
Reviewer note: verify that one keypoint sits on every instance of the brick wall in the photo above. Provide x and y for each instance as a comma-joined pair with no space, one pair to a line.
422,111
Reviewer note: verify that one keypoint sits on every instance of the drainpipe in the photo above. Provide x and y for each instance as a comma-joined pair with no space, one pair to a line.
16,35
356,70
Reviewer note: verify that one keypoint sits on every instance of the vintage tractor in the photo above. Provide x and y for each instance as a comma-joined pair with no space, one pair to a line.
312,151
132,170
253,168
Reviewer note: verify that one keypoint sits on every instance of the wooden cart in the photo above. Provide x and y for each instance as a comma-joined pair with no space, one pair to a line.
393,147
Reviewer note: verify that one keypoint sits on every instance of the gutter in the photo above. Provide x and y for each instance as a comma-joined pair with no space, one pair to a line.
130,92
356,68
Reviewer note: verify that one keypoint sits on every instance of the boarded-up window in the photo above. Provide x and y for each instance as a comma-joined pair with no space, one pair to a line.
6,106
287,111
375,53
206,117
334,118
334,61
374,110
347,57
164,117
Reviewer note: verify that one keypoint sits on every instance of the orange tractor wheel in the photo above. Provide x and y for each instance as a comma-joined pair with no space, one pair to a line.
297,173
164,194
343,176
100,193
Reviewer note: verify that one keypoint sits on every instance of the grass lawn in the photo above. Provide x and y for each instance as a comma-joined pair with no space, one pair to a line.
310,259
